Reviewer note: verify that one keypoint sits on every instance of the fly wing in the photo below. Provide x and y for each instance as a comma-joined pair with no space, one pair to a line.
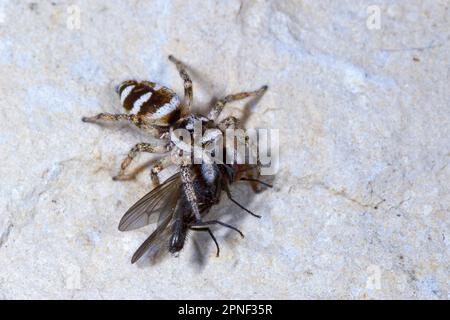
155,241
157,244
154,206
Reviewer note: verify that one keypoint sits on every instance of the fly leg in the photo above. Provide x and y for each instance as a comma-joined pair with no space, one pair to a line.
211,222
227,190
212,237
256,181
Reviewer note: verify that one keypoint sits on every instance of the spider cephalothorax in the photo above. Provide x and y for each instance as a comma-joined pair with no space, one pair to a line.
184,199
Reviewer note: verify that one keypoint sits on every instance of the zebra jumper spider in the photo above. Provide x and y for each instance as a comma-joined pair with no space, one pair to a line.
155,109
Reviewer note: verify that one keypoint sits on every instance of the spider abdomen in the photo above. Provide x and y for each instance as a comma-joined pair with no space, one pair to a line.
154,104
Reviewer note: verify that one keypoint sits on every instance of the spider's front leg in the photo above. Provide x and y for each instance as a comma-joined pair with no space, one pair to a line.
228,123
158,166
112,117
220,104
140,147
188,94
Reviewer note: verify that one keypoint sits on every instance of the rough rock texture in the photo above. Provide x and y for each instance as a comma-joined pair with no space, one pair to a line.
361,202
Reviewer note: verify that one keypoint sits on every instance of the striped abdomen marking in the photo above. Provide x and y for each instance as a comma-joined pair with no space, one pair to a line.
151,102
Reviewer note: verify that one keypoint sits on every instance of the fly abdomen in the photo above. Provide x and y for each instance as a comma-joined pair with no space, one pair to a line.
153,103
179,227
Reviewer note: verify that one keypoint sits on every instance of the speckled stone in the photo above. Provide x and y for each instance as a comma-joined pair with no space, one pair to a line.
360,207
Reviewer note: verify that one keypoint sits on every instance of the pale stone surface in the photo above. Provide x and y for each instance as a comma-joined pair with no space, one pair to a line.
361,203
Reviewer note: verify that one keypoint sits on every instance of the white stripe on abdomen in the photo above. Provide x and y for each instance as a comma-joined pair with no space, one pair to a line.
125,93
167,108
139,102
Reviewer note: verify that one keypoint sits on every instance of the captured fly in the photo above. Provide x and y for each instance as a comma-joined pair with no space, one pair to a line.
168,205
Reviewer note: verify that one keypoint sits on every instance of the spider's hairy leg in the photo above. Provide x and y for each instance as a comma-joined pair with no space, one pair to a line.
132,118
112,117
140,147
188,91
158,166
228,123
220,104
